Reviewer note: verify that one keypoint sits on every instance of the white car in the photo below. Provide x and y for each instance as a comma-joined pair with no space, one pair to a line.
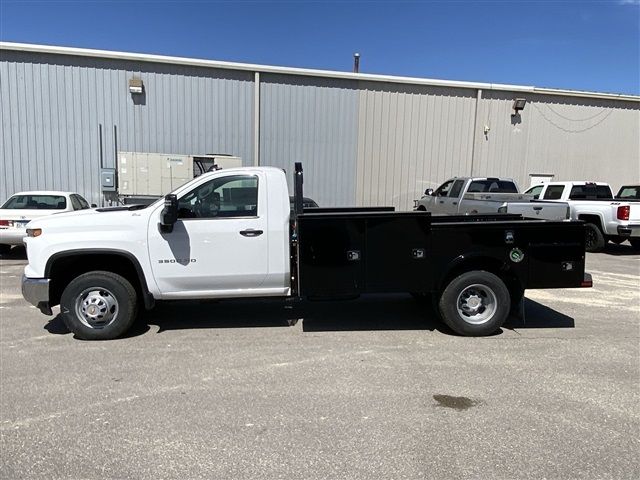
23,207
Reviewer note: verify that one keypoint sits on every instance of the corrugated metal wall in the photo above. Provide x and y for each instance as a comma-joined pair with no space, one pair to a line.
51,107
410,137
361,142
313,121
573,138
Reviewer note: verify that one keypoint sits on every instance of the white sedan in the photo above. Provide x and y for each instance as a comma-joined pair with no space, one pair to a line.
23,207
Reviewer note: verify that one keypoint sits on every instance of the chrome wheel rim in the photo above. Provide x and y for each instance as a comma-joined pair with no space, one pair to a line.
96,307
477,304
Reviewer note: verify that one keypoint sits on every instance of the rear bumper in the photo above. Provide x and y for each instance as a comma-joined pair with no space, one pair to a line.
12,236
629,230
36,292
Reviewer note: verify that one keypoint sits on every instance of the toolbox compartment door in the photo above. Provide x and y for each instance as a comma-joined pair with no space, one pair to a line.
398,254
556,256
331,256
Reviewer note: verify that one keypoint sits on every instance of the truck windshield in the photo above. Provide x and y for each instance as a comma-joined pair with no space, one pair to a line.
492,186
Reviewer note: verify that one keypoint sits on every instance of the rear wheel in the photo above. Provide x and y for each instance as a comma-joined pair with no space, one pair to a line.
99,305
635,243
4,248
594,238
475,303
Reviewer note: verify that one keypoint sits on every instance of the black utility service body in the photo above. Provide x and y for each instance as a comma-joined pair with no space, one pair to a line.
345,252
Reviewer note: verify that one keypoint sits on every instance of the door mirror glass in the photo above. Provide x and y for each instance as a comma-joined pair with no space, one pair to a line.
169,214
429,192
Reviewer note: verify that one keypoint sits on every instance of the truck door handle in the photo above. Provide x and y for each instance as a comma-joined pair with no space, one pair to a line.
537,208
441,201
251,233
455,203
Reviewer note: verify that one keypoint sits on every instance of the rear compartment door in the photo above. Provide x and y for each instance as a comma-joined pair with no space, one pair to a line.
556,255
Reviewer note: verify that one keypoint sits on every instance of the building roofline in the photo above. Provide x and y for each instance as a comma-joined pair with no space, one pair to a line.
195,62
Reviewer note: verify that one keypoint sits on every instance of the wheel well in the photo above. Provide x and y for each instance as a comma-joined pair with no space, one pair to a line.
594,219
492,265
64,269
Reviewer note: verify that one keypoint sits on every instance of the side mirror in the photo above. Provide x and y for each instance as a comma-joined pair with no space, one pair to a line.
169,214
93,205
429,191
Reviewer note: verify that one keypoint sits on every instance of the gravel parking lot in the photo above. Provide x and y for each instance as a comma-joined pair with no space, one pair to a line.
373,388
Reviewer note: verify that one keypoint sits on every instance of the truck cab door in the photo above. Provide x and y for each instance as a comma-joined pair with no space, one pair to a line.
219,245
447,200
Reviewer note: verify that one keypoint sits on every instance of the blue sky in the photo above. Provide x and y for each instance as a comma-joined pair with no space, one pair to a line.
576,45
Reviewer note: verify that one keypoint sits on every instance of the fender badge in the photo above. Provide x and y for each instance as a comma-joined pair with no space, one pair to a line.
516,255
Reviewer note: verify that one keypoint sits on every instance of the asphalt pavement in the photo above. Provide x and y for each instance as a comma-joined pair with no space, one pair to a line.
371,388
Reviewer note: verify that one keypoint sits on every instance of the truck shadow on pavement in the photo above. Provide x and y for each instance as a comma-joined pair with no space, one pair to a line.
620,250
537,315
368,313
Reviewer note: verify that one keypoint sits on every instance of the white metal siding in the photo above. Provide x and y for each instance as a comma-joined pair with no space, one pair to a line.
411,138
313,121
51,107
363,139
573,138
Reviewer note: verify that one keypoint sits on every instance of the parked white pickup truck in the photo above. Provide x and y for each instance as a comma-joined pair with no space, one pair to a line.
232,233
606,218
471,195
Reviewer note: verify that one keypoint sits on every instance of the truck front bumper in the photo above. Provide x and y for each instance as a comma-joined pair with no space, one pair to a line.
36,292
629,230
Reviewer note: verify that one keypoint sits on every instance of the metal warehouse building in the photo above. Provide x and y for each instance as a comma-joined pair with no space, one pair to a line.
363,139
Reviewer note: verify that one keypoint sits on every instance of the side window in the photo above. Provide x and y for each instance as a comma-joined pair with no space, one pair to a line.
455,189
535,191
232,196
75,202
554,192
443,189
83,203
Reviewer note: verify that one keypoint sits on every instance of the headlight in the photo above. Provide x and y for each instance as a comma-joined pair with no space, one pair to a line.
34,232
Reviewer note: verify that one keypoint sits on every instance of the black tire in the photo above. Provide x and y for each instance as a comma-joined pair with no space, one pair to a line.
486,289
594,239
635,243
110,305
4,248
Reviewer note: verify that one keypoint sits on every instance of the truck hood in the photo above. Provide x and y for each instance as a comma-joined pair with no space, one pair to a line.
102,217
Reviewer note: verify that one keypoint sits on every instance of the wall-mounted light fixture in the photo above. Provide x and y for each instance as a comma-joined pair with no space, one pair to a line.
136,86
518,104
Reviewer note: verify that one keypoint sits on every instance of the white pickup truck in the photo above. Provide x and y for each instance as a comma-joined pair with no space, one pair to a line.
231,233
473,195
606,218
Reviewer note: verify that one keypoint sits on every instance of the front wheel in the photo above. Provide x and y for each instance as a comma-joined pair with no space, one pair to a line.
635,243
99,305
475,303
